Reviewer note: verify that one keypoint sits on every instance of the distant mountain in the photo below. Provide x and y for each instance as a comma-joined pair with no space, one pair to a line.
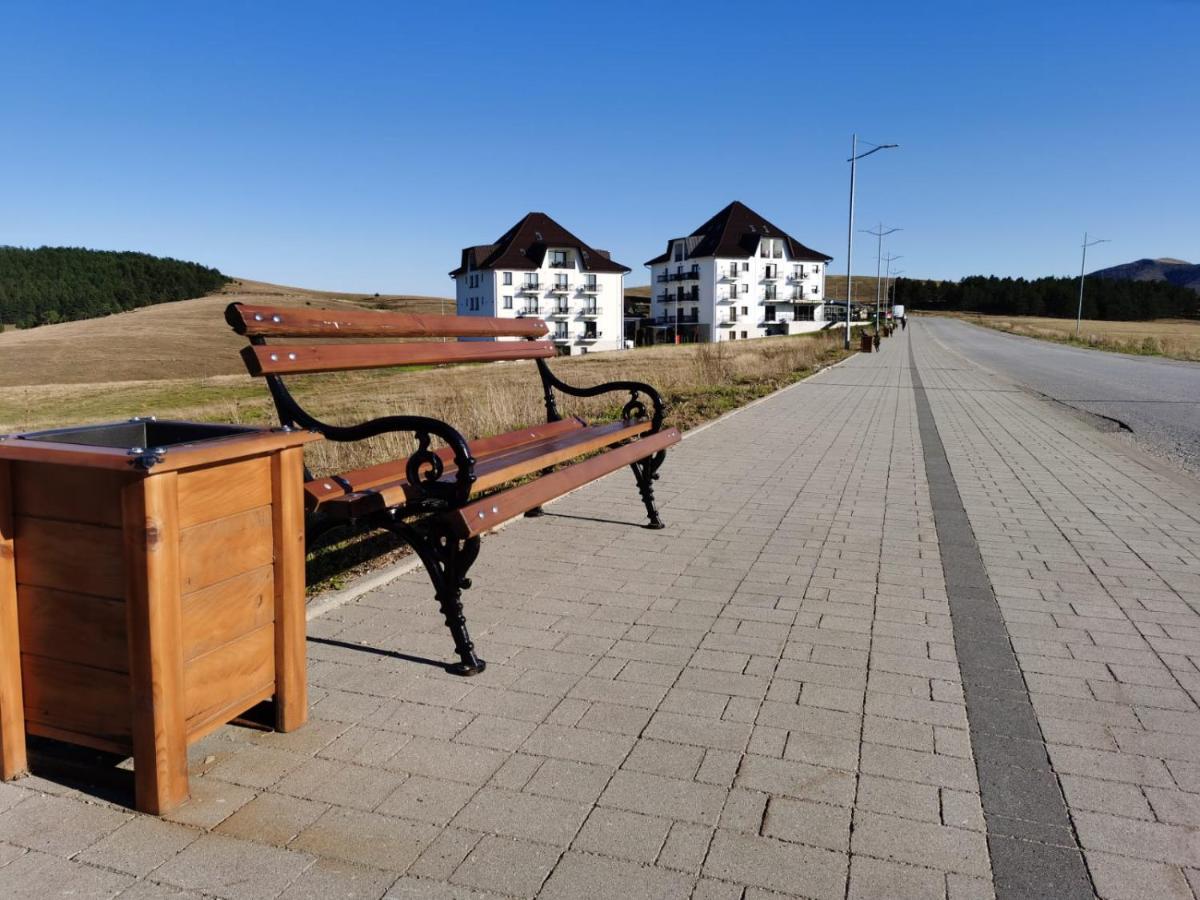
1173,271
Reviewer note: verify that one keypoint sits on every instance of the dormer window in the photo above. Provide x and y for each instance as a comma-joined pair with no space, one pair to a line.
678,251
558,259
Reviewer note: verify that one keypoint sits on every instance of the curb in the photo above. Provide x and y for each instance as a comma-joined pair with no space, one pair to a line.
383,577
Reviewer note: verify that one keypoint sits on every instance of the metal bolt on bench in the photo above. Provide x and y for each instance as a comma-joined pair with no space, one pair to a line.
442,511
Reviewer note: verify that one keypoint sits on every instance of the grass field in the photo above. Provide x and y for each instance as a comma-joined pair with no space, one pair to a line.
1173,338
181,360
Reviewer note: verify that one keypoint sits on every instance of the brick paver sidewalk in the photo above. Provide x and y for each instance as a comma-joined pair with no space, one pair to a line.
764,699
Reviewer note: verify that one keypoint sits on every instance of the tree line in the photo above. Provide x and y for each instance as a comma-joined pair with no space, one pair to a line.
57,284
1104,298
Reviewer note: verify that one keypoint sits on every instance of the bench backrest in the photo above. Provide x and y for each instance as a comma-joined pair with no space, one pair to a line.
262,322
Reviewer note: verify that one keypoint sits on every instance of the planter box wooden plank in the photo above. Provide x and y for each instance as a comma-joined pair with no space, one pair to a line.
142,608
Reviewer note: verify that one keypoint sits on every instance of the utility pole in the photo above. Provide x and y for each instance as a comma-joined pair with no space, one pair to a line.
888,273
1082,266
855,156
879,234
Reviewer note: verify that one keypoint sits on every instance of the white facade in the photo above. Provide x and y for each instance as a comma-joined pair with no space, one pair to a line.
584,310
738,299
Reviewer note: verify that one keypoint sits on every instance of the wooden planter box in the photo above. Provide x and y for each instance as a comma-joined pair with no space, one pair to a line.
149,596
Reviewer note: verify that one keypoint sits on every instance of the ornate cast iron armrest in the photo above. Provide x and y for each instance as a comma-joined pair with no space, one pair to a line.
424,468
634,407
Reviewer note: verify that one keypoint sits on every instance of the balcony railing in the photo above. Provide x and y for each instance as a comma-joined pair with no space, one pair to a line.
560,287
769,275
590,336
691,275
528,311
561,264
558,312
591,287
662,277
590,310
530,287
562,336
798,277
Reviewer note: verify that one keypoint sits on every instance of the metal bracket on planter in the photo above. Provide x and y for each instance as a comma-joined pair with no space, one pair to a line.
146,458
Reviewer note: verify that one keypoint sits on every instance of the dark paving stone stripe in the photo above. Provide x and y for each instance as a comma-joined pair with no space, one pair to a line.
1035,851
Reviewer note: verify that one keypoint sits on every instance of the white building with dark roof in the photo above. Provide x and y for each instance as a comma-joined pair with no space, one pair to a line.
736,277
538,268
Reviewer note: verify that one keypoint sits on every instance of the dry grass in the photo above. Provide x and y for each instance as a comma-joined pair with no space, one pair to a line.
1173,338
187,339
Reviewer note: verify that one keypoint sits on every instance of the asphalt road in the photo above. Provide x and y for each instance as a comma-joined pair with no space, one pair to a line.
1157,399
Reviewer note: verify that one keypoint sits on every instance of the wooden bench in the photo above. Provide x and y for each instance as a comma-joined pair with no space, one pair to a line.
441,499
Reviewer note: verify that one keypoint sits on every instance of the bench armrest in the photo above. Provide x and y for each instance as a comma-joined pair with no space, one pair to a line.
634,407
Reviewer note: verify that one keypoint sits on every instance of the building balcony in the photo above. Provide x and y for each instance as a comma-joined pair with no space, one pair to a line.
591,287
797,277
591,335
662,277
770,276
560,287
590,311
528,311
559,312
562,264
561,337
690,275
530,287
726,323
729,276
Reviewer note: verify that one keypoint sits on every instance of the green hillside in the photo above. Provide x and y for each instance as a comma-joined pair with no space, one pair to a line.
58,284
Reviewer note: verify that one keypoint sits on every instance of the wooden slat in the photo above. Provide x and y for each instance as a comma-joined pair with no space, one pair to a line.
217,683
89,496
260,321
291,691
213,492
488,512
502,467
302,359
225,611
150,508
214,551
83,559
73,627
322,489
12,711
78,699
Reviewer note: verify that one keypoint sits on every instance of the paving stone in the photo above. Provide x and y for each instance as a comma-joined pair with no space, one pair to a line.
211,803
430,800
326,879
1122,878
36,875
580,876
568,780
342,784
139,846
507,866
775,865
654,795
272,819
445,854
368,839
625,835
815,824
875,878
521,815
239,870
447,760
919,843
59,825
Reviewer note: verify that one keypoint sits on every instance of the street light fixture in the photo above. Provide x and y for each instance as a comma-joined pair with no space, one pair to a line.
1082,266
878,254
855,156
887,281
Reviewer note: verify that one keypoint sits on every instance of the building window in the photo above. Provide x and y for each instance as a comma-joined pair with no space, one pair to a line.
770,292
531,283
508,301
558,259
560,331
769,315
733,314
508,277
733,335
743,335
745,310
589,282
746,267
804,312
733,292
815,290
678,251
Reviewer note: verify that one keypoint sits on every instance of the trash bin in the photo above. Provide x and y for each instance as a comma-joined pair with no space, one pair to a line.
151,589
864,337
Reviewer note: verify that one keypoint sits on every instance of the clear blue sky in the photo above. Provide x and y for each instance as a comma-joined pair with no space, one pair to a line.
360,146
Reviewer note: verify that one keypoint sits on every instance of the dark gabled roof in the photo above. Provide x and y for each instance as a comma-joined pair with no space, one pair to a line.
734,233
524,246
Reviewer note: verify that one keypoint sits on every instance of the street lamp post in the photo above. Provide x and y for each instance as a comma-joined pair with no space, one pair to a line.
1082,266
880,233
855,156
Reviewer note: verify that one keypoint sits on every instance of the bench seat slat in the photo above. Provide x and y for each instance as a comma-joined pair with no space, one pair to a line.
488,512
293,321
322,490
498,468
304,359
